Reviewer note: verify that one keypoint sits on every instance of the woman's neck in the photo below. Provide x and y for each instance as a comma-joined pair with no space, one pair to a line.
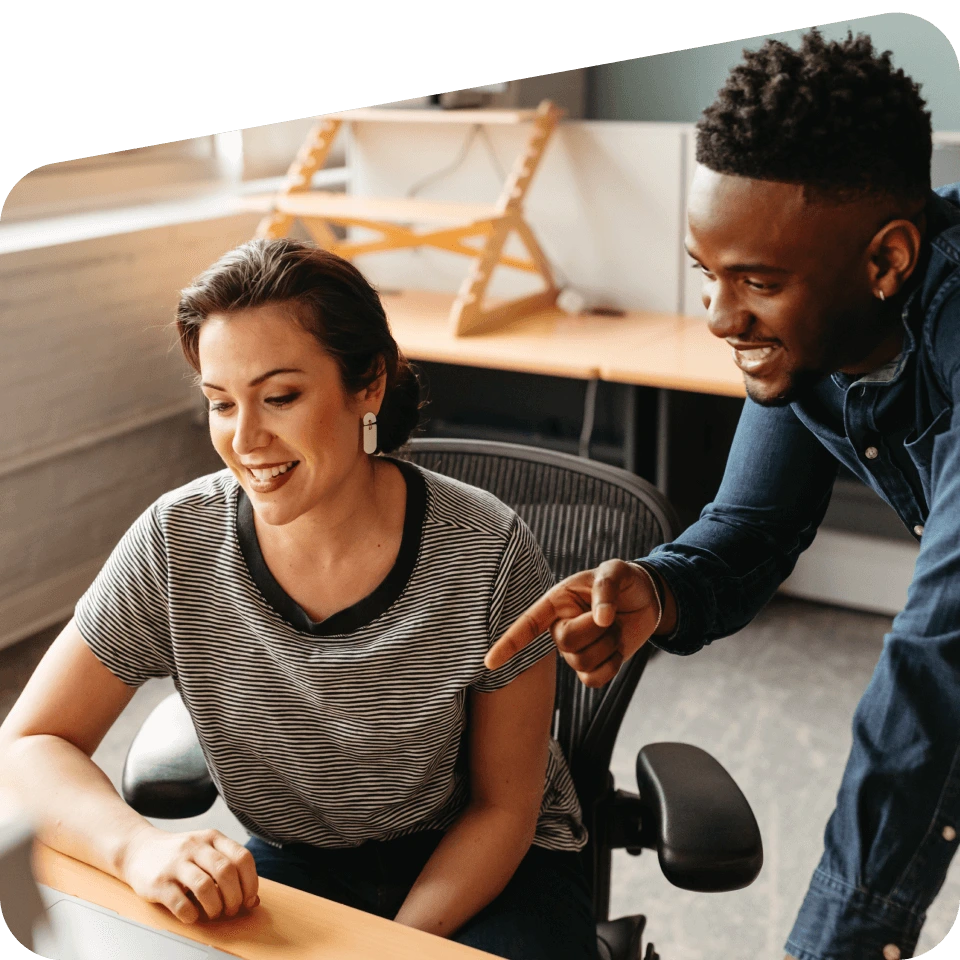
358,510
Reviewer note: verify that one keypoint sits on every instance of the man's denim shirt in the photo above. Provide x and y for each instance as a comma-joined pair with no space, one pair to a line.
895,826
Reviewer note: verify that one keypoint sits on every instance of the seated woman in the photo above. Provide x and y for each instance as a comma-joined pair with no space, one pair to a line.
324,613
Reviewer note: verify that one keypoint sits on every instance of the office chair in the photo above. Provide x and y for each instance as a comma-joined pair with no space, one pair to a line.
689,809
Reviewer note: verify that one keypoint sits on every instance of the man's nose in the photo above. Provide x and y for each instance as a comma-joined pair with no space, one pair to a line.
726,318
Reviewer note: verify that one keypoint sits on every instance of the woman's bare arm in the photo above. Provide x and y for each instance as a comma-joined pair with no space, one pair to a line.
46,742
508,737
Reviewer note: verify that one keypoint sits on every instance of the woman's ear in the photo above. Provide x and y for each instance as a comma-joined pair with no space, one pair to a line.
371,396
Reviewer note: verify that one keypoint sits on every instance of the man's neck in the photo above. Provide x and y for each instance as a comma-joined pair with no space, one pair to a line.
885,351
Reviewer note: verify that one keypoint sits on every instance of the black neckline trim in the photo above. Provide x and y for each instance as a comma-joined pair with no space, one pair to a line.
363,611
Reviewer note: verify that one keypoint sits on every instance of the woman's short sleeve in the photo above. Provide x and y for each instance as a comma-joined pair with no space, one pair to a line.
523,578
124,616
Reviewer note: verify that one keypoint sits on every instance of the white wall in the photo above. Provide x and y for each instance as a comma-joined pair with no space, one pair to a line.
98,411
606,203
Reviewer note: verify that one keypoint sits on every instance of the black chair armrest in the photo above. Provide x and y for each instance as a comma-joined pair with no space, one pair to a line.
705,833
165,774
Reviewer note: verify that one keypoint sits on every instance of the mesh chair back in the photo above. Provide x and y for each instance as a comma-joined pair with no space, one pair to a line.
581,512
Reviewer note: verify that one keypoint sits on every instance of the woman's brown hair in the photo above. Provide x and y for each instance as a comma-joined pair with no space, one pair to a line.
331,299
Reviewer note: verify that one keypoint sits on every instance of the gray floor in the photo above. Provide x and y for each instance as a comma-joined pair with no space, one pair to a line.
773,704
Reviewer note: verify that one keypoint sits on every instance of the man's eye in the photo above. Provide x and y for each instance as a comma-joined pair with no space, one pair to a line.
757,285
702,269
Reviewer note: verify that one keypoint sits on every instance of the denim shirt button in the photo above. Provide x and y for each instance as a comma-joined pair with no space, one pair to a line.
871,453
891,952
918,529
949,834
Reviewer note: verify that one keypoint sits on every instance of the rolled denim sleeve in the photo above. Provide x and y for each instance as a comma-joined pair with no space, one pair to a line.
724,568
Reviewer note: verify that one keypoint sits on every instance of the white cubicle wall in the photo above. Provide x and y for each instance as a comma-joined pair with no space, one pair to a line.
606,204
608,207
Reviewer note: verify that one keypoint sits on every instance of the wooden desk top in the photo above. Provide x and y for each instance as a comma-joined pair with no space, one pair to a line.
645,349
685,356
288,924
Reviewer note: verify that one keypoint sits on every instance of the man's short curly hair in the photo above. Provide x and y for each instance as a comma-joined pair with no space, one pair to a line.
833,116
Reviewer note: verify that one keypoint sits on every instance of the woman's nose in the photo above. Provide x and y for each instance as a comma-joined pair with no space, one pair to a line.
249,434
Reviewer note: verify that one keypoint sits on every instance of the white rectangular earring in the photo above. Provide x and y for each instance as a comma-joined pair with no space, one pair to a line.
370,433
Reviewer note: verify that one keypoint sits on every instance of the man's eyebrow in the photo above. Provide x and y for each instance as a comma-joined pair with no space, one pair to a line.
256,381
743,267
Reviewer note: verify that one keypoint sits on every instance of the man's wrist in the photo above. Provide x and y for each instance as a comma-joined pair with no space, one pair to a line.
668,605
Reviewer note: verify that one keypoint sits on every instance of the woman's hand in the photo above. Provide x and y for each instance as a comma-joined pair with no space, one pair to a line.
195,875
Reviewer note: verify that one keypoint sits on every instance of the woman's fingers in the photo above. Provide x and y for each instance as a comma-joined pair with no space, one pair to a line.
172,896
246,868
201,886
223,871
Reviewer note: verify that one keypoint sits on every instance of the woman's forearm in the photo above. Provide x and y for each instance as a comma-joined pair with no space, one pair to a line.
470,867
74,806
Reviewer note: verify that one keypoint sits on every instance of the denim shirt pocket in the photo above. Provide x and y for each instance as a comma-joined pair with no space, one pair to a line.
920,449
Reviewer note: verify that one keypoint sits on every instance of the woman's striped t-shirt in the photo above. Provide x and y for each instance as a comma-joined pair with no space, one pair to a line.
347,730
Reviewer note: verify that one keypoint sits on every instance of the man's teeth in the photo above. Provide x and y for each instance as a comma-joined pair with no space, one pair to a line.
268,472
754,354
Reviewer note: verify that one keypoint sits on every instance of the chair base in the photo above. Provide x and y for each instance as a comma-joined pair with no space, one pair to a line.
622,939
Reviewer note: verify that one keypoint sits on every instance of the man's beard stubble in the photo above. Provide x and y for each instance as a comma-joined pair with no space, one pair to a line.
800,382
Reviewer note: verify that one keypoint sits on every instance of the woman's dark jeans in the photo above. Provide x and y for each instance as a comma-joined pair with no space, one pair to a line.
544,913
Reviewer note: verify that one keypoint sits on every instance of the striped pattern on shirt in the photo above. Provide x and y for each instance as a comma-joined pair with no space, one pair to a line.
337,738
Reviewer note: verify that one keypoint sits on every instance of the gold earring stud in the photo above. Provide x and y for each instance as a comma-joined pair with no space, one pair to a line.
881,295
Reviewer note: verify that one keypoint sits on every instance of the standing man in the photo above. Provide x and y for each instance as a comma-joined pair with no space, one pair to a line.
833,272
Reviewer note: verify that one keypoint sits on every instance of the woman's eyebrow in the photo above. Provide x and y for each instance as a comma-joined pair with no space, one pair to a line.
256,381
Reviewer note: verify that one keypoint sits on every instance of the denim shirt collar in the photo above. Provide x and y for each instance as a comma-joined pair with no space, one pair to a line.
943,229
893,369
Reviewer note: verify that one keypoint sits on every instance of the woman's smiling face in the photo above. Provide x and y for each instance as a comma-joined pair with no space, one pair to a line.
280,418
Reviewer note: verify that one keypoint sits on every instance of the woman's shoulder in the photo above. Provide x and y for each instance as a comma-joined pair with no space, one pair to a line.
471,509
211,496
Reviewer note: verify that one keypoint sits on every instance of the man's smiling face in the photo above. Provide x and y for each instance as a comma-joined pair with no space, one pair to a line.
786,279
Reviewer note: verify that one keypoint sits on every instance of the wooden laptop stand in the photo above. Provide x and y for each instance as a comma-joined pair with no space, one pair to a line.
394,218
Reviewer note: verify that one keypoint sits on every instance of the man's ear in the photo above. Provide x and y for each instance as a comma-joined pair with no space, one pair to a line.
893,254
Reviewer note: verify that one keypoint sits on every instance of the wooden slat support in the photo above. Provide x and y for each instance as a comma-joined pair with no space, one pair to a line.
393,218
310,158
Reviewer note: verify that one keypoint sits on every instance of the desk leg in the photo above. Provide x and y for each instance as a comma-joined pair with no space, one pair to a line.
589,416
663,440
630,428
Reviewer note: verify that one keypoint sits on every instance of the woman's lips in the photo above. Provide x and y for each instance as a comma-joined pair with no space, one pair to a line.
269,484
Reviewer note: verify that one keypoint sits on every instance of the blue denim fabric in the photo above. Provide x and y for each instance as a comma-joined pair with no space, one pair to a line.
885,848
544,913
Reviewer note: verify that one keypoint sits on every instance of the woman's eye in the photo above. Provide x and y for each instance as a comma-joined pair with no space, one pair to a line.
223,406
284,400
